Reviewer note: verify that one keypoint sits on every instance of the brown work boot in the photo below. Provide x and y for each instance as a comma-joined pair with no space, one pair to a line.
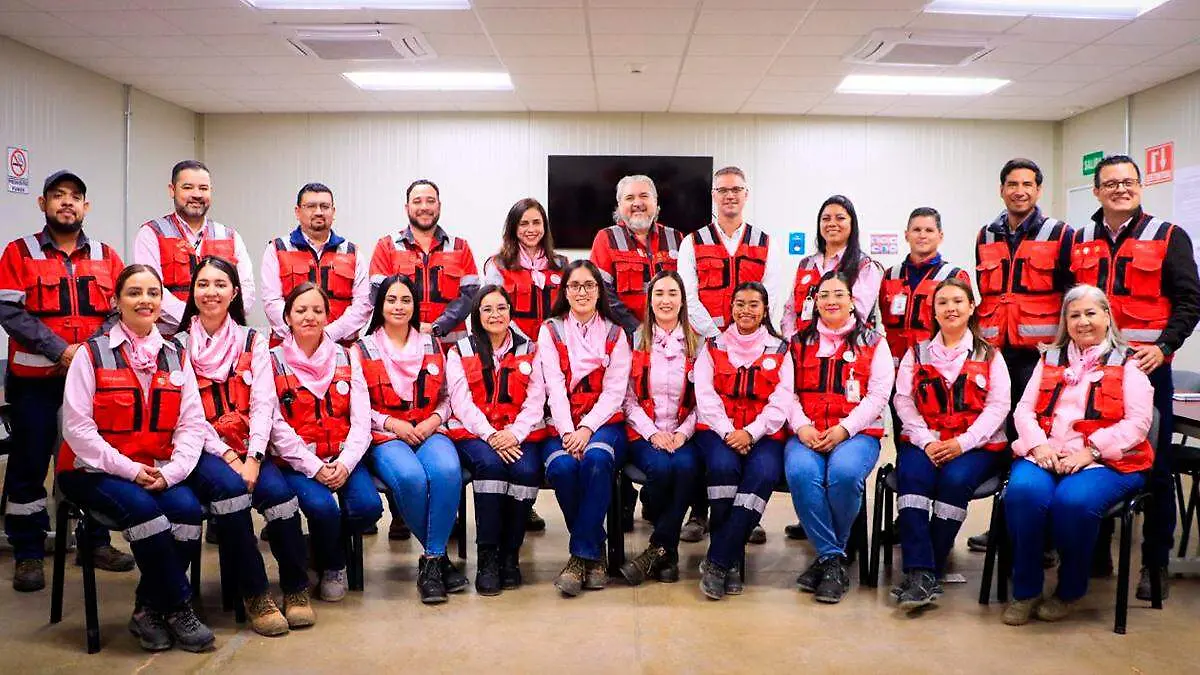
635,571
298,609
1054,609
1019,612
570,580
29,575
265,617
595,574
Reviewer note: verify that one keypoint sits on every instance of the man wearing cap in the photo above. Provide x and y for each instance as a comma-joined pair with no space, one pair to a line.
175,243
56,286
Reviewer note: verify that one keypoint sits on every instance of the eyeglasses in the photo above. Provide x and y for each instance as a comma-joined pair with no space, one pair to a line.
1112,185
735,191
318,206
836,295
586,287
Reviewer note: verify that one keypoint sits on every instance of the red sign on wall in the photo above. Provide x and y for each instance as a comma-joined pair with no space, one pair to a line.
1160,164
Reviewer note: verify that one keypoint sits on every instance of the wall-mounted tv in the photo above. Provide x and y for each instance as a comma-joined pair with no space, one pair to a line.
582,191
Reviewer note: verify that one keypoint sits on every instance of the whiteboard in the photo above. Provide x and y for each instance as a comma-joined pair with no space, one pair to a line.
1081,204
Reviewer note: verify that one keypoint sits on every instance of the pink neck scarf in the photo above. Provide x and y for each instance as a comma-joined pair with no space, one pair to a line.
314,372
402,364
536,265
142,352
213,355
831,339
585,345
949,360
1081,362
669,344
744,349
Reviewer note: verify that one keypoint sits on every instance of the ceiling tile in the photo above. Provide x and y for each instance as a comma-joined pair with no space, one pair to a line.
1178,9
1081,72
532,21
1116,55
908,5
77,47
280,65
1030,52
573,83
963,23
1044,89
37,24
659,81
526,4
654,21
172,45
1188,55
1077,31
803,83
857,23
735,45
821,45
639,43
246,45
797,99
651,65
1009,71
810,66
744,66
845,110
456,44
638,4
701,101
562,65
748,22
1152,32
542,45
241,21
120,23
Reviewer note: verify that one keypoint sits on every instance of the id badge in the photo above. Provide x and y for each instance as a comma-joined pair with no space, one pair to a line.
899,304
806,312
853,391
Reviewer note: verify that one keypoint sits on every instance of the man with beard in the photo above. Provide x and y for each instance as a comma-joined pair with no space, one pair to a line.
441,266
56,286
314,252
633,250
175,243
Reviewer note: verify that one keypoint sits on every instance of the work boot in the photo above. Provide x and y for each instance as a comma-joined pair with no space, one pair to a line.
835,581
510,571
694,529
978,543
298,609
667,569
921,590
109,559
795,531
429,581
452,577
712,579
150,628
595,574
265,617
399,530
734,584
535,523
29,575
333,585
1054,609
1019,612
487,573
190,634
1143,587
811,577
757,536
635,571
570,580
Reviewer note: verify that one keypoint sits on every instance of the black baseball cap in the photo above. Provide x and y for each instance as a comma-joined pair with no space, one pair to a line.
60,176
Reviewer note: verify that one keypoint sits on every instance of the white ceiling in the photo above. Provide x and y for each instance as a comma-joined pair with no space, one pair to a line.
698,56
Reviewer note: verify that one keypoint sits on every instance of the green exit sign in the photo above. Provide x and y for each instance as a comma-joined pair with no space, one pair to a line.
1090,161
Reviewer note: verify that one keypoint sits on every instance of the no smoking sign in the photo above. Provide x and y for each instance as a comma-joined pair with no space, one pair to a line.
17,160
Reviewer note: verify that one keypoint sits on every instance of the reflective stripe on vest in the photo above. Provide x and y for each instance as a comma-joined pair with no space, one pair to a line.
1019,305
718,273
322,423
178,258
634,266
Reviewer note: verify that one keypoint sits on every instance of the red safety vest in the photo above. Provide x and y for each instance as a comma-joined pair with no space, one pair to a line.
1132,278
179,258
498,391
808,275
427,389
71,295
227,403
438,275
586,392
632,266
333,271
745,391
323,423
1018,304
821,381
949,410
140,426
717,273
914,322
1105,404
639,381
531,304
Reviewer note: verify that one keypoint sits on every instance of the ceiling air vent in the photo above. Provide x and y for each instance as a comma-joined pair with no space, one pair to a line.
892,47
360,42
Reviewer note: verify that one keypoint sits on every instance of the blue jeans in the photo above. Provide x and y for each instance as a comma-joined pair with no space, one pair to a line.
827,488
426,484
216,484
739,487
932,501
162,528
1073,506
34,402
277,502
360,508
671,480
584,486
504,493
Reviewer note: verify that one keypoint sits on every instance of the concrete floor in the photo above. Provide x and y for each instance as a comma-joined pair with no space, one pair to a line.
656,628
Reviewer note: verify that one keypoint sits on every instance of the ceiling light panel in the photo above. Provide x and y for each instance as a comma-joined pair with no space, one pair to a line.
1057,9
919,85
376,80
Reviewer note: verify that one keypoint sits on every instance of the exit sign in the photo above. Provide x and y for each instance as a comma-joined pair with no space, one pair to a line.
1160,164
1090,161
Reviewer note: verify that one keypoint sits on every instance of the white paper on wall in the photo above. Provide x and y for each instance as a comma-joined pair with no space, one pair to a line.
1185,211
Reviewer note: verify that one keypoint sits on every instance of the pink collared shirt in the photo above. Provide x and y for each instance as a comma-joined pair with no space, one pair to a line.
710,408
874,400
865,291
533,410
987,426
667,382
263,400
345,326
80,431
1111,441
378,419
292,449
616,381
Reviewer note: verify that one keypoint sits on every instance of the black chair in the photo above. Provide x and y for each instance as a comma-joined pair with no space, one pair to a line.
884,517
1187,463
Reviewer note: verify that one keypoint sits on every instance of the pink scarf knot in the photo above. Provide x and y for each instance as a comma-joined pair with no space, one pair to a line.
315,372
831,339
536,265
585,345
213,355
142,352
1081,362
744,349
669,344
402,363
949,360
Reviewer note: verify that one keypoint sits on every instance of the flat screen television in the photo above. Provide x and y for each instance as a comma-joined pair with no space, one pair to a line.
582,190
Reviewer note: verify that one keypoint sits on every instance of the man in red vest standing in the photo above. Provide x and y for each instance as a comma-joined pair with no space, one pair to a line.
56,287
1147,269
174,244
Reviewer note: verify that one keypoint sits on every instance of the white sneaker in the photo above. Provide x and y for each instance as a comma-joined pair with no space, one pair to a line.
333,585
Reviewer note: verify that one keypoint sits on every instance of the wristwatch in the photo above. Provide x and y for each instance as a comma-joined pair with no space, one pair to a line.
1095,453
1162,347
256,456
437,331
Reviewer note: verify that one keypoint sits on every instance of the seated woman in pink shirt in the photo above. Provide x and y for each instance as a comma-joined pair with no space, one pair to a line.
660,415
499,403
585,361
1081,447
952,395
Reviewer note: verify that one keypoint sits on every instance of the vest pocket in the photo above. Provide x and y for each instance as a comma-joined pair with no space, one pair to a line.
341,285
164,408
116,411
630,277
990,269
49,293
1086,267
711,273
1143,274
1036,274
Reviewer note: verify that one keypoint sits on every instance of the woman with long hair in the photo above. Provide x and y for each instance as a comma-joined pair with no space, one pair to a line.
1081,447
237,388
499,400
844,377
406,377
952,397
584,357
321,433
660,417
526,266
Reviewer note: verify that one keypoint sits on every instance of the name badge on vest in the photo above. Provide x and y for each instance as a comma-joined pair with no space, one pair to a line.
556,279
525,368
853,390
433,369
899,303
806,312
768,364
247,377
342,387
176,378
981,381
